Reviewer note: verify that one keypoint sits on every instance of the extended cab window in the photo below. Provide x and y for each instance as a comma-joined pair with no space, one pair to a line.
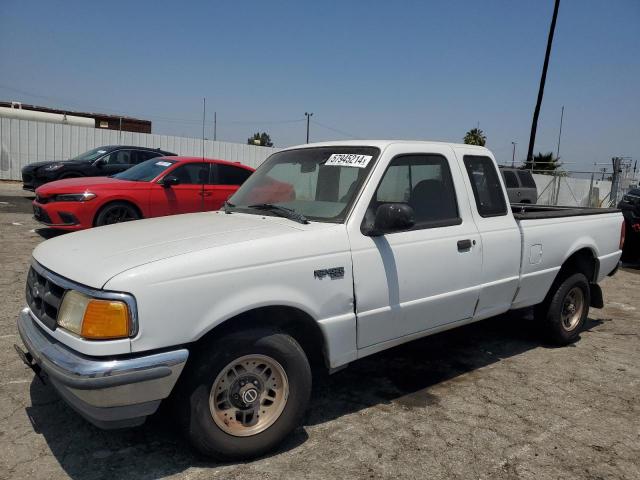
424,183
486,186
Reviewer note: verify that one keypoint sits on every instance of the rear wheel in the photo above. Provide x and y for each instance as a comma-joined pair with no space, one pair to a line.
244,393
564,314
116,212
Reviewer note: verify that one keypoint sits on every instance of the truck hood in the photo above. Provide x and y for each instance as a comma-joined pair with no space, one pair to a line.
92,257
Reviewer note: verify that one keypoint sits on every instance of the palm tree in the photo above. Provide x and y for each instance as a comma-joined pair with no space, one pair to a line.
546,162
475,136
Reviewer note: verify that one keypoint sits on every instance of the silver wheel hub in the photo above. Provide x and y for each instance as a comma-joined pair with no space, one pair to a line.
249,395
572,308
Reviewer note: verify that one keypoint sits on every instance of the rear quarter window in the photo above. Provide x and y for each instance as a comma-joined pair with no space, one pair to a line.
486,186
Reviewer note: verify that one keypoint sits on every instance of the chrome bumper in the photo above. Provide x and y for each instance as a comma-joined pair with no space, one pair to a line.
110,393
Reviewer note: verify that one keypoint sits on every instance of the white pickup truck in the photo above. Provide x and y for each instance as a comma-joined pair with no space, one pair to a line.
328,253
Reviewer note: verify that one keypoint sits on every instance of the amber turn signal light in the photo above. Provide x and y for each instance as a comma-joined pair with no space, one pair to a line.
105,319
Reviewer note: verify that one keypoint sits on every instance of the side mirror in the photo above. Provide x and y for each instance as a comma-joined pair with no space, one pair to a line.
169,181
100,162
392,217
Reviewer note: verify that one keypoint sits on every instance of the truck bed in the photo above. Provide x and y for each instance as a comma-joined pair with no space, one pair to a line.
524,211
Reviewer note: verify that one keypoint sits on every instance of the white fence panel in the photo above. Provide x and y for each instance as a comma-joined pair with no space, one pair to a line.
569,191
25,141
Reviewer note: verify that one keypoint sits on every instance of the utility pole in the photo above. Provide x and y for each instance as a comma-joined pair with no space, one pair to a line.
308,115
513,155
560,133
615,180
543,79
215,126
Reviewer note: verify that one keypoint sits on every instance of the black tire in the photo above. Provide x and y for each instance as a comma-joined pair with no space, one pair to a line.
116,212
207,365
560,326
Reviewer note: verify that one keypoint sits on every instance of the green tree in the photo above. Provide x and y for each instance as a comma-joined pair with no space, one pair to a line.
542,163
261,139
475,136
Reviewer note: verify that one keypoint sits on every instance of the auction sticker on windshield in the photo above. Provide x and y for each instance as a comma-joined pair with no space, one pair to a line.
163,164
349,160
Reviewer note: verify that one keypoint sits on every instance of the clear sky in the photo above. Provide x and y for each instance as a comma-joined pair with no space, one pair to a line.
383,69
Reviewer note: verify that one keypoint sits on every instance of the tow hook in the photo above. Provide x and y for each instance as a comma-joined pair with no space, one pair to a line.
28,360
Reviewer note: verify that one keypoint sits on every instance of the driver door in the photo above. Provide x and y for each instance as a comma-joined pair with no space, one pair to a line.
419,279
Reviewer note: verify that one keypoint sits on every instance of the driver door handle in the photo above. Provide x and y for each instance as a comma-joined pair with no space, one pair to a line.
464,244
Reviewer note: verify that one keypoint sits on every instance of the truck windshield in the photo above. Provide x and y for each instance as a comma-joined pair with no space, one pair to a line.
319,183
145,171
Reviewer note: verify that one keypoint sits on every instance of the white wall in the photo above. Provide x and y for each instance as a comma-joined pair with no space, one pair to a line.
23,142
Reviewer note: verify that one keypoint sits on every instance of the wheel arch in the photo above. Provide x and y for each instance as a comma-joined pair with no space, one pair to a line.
583,260
111,201
291,320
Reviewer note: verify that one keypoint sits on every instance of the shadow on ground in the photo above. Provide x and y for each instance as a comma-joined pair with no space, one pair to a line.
401,375
48,233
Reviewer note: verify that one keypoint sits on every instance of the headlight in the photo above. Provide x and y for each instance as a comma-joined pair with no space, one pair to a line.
94,319
74,197
53,166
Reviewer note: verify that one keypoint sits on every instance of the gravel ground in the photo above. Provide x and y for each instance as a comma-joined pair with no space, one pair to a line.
489,400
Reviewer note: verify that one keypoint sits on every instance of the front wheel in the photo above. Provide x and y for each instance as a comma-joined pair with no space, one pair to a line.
564,314
244,393
116,212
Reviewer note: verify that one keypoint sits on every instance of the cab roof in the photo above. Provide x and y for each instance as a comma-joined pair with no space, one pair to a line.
382,144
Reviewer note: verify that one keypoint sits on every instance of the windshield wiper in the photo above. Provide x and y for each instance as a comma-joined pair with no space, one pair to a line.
226,205
281,211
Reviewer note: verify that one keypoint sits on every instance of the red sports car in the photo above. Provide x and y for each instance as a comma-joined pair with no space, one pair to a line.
157,187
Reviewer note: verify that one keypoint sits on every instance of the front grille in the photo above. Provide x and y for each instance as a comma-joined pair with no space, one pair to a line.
43,297
27,178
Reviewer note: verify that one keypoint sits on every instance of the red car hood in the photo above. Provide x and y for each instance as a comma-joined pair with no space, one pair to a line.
80,184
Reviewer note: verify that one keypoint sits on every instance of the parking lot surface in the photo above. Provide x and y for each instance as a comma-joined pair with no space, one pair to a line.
490,400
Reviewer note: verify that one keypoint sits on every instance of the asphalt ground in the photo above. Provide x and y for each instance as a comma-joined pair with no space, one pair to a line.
490,400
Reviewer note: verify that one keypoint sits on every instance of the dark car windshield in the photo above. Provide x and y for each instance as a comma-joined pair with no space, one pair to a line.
319,183
91,154
145,171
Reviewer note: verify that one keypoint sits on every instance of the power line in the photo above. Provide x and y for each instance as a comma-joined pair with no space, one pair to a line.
341,132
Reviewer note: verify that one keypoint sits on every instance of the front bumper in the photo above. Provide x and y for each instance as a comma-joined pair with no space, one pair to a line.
110,393
62,215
